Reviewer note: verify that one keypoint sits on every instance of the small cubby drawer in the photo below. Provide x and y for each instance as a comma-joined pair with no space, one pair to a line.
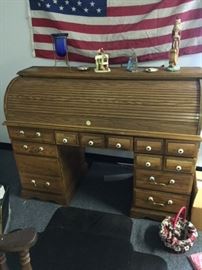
180,148
31,134
180,165
146,145
66,138
148,162
42,183
121,143
92,140
38,149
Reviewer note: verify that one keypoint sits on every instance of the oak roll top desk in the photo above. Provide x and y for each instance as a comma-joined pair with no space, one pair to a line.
53,113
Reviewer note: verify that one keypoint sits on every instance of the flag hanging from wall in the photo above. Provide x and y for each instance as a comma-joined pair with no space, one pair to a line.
117,26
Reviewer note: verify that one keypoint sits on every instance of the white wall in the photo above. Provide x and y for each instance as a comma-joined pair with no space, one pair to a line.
16,53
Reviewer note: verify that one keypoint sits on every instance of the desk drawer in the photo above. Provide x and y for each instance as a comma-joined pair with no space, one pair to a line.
42,183
32,134
92,140
67,138
149,162
179,148
186,165
144,145
38,165
122,143
164,181
38,149
157,200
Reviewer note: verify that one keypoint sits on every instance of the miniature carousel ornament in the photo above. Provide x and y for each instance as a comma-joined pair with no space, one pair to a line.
174,51
102,61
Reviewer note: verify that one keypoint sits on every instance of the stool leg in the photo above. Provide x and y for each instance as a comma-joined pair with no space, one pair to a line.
25,260
3,264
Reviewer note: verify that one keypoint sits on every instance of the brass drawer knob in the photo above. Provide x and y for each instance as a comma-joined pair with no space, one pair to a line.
148,164
91,143
41,148
48,184
180,151
118,145
38,134
148,148
22,132
178,168
33,182
25,146
65,140
172,181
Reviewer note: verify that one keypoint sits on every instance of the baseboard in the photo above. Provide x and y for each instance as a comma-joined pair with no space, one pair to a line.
95,157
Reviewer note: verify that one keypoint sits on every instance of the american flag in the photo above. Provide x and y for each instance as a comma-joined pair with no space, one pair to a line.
118,26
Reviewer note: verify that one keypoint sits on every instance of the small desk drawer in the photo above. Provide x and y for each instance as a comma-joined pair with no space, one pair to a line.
92,140
164,181
186,165
38,149
144,145
32,134
179,148
67,138
149,162
157,200
42,183
122,143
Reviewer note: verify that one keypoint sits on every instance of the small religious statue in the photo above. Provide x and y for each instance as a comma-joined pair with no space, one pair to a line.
174,51
102,61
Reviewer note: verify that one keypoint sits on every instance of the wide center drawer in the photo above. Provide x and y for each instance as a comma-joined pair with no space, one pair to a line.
120,142
162,201
92,140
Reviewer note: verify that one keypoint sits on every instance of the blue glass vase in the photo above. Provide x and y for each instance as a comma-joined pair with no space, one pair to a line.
60,47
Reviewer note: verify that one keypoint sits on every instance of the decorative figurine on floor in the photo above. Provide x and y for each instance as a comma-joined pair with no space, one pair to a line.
174,51
102,61
60,47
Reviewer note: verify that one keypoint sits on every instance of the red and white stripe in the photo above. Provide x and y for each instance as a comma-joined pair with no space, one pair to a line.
143,26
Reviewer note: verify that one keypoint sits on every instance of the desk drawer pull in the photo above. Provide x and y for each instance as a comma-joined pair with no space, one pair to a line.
178,168
41,148
33,182
118,145
25,146
152,180
148,164
148,148
48,184
22,132
88,123
38,134
180,151
65,140
91,143
151,199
